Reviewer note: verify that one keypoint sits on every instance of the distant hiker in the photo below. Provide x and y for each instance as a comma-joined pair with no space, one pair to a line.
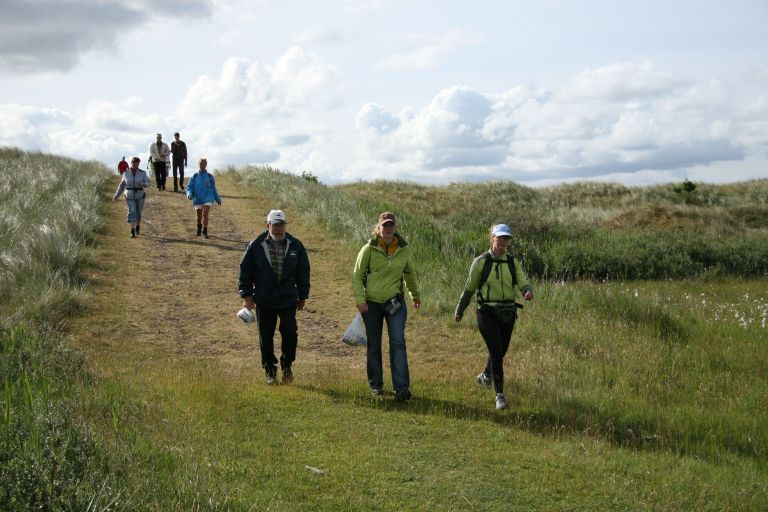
122,166
202,191
159,153
179,151
381,268
496,276
134,182
274,279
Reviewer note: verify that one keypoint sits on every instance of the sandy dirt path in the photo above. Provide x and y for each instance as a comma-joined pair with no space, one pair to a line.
172,295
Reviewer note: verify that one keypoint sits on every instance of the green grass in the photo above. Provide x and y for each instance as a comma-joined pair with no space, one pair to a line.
625,395
235,444
49,210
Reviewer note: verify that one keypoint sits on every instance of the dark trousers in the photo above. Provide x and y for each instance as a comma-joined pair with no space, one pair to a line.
289,333
497,336
161,173
178,164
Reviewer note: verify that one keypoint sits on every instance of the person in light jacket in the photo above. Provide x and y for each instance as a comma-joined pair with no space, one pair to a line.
381,268
202,191
134,184
496,276
159,154
274,280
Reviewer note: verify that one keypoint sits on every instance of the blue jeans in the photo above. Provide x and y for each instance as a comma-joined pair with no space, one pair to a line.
134,210
398,357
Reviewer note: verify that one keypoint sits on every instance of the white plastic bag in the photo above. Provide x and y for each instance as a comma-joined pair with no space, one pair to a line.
355,333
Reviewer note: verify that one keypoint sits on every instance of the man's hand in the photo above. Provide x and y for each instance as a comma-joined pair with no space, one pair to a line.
300,304
362,308
416,303
248,303
528,295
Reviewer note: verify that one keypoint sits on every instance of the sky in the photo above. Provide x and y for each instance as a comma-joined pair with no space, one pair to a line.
434,92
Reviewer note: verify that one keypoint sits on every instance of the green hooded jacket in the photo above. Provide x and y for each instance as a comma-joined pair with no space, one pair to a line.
378,277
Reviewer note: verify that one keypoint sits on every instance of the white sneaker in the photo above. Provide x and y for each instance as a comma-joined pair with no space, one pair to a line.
484,380
501,401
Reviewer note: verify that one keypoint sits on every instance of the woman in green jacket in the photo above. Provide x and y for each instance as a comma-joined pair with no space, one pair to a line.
383,265
496,276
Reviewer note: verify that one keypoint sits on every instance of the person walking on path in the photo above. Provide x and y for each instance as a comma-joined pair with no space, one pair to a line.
495,276
179,152
202,191
274,279
159,153
122,166
383,265
133,184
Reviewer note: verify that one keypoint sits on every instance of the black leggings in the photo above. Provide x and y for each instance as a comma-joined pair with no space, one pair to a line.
497,336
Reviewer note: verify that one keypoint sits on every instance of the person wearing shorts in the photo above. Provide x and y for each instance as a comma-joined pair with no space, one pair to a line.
202,191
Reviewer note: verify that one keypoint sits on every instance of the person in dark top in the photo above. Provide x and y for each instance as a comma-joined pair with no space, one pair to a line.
179,152
274,280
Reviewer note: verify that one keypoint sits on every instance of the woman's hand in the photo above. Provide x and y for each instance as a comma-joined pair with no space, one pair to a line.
457,318
416,303
362,308
528,295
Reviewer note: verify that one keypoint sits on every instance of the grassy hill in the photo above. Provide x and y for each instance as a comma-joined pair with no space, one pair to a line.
625,394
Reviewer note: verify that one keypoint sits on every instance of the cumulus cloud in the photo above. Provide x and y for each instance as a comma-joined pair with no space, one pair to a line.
296,80
52,35
374,117
623,118
27,127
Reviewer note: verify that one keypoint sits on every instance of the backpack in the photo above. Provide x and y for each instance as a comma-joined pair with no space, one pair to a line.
487,265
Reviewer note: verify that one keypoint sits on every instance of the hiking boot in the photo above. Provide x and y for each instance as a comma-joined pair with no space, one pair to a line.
199,229
138,228
403,395
271,374
133,233
205,232
287,375
377,392
484,380
501,401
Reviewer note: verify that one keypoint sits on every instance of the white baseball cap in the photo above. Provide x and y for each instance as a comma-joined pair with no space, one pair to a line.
276,217
501,230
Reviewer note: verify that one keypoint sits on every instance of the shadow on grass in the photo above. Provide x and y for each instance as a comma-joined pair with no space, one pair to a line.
239,247
571,417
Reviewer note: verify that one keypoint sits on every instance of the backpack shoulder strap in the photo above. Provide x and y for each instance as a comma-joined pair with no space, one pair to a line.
487,264
511,264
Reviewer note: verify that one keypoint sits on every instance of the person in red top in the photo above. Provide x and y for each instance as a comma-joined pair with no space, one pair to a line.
122,166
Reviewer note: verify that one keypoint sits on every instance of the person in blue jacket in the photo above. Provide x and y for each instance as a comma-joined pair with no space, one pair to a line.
274,280
202,191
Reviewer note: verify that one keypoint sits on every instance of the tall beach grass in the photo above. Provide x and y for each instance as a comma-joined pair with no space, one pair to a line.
49,210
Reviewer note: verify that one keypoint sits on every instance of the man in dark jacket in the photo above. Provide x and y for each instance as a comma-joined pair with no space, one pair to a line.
179,152
274,279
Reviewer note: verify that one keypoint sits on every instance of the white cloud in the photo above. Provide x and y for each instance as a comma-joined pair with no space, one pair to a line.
431,49
26,126
297,80
623,118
